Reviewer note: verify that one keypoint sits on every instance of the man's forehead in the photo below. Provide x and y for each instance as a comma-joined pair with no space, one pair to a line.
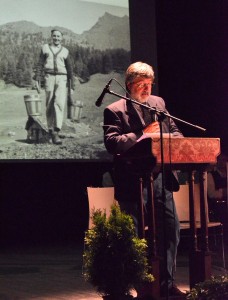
142,79
56,32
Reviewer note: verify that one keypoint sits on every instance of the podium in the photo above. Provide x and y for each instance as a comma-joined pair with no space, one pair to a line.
186,154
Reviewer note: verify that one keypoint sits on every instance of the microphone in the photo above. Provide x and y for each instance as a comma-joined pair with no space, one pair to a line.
105,90
155,116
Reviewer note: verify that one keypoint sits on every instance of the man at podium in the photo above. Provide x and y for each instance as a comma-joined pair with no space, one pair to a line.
125,124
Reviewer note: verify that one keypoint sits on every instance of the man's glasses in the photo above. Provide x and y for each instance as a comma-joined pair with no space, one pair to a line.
143,85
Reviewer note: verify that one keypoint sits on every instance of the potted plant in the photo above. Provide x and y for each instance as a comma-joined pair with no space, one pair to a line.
115,259
215,288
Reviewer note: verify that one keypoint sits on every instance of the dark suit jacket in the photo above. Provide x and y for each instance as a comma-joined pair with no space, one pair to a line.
123,126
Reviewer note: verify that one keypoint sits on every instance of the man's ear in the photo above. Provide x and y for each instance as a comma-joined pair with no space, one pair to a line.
128,86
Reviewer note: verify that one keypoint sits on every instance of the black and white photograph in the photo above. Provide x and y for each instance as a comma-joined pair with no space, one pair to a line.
96,36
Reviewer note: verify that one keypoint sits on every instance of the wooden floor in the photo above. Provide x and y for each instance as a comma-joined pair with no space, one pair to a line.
56,273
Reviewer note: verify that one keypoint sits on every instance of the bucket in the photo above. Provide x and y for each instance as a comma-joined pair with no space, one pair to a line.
33,105
76,111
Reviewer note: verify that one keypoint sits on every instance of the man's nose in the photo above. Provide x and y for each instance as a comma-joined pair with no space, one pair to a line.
146,87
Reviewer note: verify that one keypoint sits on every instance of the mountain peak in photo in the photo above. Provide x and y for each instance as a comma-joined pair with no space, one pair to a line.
109,32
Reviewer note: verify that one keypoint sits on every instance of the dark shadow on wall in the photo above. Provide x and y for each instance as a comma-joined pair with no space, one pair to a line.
186,43
46,203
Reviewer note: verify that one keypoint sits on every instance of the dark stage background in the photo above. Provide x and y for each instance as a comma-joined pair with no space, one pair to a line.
46,203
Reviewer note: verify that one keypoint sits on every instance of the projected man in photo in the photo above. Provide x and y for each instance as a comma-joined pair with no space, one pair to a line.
55,62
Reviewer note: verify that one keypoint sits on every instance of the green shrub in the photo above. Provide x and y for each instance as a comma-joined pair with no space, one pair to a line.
215,288
115,259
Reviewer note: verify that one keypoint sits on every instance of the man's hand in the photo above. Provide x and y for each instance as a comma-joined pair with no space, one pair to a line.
152,128
70,100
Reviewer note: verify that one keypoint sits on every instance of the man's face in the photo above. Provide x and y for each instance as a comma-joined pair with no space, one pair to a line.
57,37
140,89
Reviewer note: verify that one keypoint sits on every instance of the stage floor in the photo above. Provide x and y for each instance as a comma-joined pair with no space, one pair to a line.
55,273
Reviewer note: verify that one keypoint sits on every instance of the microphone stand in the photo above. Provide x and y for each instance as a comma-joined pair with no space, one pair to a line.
160,116
160,113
